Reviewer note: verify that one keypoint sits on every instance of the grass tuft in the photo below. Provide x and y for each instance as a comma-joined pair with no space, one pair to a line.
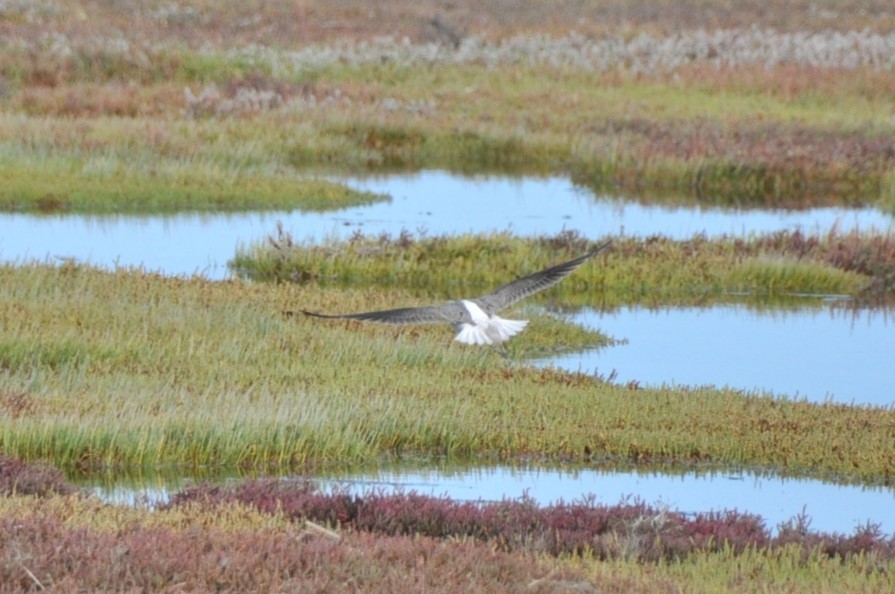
119,184
634,270
123,369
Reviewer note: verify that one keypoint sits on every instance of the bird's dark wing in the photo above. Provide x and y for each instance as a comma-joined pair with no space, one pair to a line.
403,315
510,293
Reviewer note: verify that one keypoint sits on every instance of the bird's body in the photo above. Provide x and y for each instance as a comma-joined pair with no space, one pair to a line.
486,328
476,320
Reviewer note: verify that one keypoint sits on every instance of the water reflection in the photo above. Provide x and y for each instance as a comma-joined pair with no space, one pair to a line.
435,201
832,508
813,353
182,244
817,353
445,203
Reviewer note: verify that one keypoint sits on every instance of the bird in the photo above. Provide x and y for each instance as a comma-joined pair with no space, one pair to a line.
475,320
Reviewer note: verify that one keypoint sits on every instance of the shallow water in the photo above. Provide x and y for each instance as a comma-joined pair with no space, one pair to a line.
434,201
831,508
816,353
812,353
441,202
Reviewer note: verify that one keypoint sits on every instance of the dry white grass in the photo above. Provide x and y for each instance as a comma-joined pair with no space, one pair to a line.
641,53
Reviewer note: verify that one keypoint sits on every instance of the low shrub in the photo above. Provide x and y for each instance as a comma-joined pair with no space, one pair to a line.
19,478
626,530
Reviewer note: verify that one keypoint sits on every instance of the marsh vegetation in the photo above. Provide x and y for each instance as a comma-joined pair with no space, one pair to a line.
273,535
195,106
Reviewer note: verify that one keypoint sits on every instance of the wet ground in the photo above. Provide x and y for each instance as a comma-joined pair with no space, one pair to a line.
831,507
433,202
820,349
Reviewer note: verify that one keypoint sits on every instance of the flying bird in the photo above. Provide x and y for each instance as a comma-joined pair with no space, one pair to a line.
476,320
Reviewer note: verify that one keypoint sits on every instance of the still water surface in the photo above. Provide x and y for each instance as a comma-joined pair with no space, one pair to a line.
815,353
831,507
442,203
433,201
812,353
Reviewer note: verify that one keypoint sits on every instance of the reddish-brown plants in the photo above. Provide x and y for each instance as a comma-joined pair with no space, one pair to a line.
19,478
631,530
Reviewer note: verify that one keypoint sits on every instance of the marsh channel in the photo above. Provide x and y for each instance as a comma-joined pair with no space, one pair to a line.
814,347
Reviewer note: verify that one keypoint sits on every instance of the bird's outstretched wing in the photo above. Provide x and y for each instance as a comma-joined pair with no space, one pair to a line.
403,315
512,292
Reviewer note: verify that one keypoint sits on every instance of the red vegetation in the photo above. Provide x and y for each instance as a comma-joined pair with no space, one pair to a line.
747,164
19,478
388,543
870,254
40,553
632,530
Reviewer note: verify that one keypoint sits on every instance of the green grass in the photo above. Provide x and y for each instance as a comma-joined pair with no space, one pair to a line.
117,183
402,147
653,271
727,143
121,369
535,91
751,571
253,163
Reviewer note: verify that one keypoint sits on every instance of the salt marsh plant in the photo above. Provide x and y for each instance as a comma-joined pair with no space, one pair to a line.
633,270
631,529
124,369
55,180
780,111
152,106
75,544
289,535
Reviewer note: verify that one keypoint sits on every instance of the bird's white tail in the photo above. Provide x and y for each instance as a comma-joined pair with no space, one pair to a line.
506,329
494,331
470,334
